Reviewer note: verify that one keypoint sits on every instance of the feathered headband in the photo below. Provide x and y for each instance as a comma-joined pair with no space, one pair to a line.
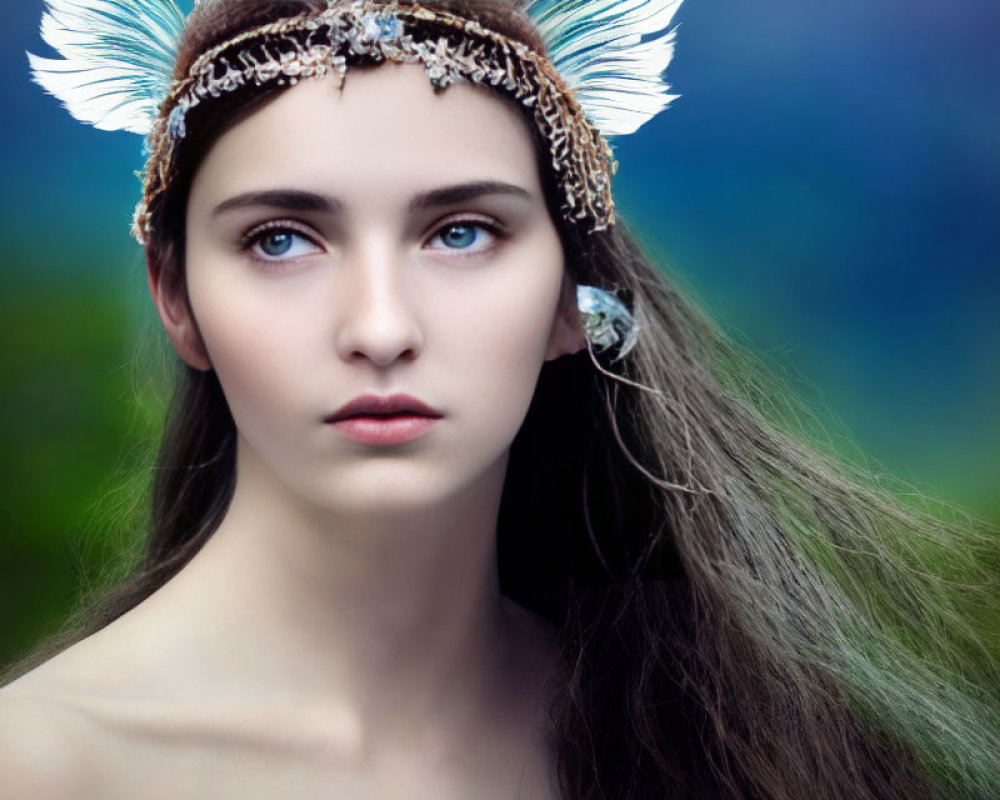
602,76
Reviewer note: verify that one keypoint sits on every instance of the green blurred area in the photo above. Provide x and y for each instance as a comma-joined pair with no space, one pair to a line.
80,418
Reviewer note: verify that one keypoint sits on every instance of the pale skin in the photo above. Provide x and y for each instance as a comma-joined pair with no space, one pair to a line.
342,634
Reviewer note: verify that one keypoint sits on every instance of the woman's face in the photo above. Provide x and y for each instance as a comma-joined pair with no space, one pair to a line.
379,239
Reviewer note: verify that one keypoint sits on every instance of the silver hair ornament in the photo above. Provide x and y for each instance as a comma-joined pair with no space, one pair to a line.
606,320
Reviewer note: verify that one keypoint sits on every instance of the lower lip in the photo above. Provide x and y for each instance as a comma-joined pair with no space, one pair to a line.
384,430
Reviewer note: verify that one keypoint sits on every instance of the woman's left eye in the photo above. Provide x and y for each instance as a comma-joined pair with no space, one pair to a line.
467,236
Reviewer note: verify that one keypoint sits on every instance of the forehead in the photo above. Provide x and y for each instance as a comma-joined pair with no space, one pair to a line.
384,132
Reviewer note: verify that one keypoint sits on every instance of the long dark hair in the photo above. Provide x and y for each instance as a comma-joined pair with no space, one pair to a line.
741,615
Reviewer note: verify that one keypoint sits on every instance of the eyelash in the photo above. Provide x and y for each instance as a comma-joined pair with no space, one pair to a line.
255,235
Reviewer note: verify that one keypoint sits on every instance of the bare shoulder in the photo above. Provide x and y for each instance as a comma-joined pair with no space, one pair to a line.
52,743
44,747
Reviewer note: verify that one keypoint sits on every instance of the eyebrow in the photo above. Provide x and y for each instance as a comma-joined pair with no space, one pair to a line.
300,200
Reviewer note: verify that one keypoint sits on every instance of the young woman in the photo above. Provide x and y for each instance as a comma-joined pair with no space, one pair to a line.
421,528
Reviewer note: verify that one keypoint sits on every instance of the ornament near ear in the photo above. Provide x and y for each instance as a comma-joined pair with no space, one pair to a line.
175,313
607,321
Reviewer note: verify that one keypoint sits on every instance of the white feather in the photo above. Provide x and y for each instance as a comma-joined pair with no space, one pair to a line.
118,56
613,54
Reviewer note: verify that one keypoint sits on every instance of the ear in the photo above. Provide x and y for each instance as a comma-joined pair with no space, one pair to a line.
568,335
175,314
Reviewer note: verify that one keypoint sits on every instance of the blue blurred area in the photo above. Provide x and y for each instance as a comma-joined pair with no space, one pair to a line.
828,186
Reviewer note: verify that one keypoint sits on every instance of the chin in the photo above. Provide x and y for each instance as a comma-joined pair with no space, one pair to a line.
384,489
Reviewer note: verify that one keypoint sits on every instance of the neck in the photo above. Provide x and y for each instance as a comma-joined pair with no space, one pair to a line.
394,613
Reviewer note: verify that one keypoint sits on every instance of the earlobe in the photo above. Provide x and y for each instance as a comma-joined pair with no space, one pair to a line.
178,321
568,334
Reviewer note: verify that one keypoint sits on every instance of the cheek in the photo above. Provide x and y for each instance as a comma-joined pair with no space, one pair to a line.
509,317
503,343
248,342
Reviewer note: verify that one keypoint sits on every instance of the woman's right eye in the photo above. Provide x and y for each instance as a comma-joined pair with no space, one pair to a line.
278,244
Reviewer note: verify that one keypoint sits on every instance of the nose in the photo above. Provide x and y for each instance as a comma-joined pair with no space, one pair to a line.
379,321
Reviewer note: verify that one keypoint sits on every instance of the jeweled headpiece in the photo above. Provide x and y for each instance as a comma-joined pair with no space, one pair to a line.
602,75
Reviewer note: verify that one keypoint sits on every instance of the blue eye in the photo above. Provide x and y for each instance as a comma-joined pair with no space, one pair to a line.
277,243
466,236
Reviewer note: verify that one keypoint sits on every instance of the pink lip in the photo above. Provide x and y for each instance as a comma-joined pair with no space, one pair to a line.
385,430
375,420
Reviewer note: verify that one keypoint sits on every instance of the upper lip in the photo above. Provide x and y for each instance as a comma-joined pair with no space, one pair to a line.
371,405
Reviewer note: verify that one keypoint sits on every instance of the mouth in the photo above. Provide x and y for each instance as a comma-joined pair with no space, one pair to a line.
380,429
375,407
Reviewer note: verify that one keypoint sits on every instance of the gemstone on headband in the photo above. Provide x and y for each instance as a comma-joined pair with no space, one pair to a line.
175,124
384,26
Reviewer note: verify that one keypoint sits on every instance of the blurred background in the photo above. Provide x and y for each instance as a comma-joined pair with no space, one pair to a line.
827,188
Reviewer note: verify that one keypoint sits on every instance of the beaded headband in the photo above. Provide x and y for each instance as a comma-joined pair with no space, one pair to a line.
450,48
602,77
